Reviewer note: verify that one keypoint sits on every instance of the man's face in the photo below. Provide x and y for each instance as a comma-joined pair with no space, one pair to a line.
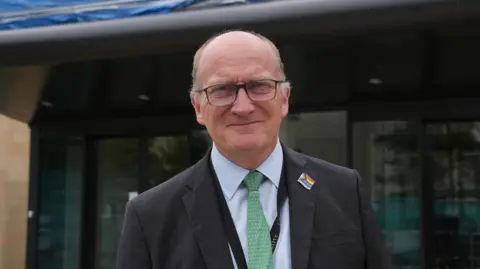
244,125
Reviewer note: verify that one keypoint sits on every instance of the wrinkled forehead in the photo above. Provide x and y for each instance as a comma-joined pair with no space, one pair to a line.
228,59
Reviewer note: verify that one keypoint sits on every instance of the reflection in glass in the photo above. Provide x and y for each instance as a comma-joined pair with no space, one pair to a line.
320,134
117,183
386,155
59,221
200,143
119,179
167,156
455,160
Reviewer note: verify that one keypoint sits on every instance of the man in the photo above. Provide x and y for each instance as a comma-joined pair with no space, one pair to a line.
251,201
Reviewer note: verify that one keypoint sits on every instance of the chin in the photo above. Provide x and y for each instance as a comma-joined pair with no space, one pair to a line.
246,142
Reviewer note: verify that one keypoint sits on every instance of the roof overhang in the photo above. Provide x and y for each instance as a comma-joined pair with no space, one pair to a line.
279,19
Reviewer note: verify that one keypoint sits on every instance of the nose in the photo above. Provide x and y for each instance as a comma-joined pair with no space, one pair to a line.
243,105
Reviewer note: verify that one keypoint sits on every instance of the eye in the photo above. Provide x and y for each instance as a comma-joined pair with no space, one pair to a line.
256,84
220,88
221,91
261,86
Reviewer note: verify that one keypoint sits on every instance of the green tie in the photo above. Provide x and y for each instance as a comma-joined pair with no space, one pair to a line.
259,248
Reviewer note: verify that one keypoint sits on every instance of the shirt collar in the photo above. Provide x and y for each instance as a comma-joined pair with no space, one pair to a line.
231,175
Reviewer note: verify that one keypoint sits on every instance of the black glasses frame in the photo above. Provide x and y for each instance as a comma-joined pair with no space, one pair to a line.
242,86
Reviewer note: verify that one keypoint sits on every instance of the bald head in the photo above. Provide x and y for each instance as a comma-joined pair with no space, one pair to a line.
248,44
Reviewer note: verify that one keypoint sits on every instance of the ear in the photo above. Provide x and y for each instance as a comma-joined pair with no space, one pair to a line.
195,100
284,101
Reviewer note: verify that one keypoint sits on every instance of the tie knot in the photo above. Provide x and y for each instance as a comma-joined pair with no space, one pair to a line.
253,180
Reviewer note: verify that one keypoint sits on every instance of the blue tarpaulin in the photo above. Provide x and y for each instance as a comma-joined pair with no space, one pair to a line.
17,14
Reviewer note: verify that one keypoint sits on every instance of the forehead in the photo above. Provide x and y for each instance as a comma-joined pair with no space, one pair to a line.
236,57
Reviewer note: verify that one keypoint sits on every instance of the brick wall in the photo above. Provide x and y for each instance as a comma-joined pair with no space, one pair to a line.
14,170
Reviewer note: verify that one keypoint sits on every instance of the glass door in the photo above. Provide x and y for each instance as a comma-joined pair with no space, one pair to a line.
60,203
117,181
454,158
129,166
386,154
166,157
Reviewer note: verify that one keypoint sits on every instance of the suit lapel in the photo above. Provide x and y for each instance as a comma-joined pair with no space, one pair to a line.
202,207
301,202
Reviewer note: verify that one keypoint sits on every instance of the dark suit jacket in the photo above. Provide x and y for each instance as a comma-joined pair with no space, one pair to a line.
178,225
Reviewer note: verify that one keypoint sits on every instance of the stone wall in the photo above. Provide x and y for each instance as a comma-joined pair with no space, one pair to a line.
14,177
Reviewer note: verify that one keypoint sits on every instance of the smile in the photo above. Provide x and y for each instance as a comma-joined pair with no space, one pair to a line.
244,124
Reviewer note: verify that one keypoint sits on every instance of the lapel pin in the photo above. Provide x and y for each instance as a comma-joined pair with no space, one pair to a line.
306,181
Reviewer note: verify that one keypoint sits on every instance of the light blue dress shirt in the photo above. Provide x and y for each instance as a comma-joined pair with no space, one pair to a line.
231,176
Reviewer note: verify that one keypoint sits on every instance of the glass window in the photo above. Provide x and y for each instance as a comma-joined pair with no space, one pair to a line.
170,155
200,143
320,134
122,175
455,160
386,155
118,160
167,156
60,189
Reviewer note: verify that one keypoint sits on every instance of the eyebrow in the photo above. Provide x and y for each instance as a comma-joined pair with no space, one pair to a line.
220,81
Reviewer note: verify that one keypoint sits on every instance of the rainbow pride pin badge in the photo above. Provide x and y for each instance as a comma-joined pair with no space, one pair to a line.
306,181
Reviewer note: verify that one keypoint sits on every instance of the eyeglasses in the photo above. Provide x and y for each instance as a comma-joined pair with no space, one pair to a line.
257,90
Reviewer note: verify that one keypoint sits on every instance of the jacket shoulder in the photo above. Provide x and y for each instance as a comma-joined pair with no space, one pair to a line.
334,175
339,170
338,184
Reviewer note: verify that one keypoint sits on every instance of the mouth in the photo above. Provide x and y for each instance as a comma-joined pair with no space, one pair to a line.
244,124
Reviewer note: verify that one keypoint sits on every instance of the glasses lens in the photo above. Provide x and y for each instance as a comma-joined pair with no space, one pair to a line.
226,94
221,95
261,90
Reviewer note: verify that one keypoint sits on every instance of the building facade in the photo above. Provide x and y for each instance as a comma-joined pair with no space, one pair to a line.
14,163
391,91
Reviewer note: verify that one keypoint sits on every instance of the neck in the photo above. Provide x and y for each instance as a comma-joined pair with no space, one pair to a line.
249,159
